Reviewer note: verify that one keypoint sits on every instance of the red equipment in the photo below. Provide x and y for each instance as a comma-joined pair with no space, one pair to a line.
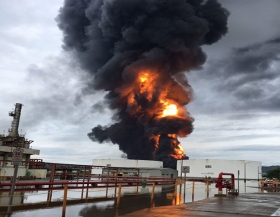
223,183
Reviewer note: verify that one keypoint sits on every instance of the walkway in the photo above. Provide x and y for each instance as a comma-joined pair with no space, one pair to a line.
254,205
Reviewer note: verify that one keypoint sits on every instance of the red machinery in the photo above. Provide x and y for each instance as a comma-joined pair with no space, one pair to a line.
224,183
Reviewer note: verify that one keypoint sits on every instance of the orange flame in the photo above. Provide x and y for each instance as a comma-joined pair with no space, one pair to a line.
144,77
170,110
178,149
146,85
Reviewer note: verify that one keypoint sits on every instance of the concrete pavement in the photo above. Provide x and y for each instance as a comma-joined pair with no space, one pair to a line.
255,204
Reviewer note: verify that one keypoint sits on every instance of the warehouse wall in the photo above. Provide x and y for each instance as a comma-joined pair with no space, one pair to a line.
124,163
212,167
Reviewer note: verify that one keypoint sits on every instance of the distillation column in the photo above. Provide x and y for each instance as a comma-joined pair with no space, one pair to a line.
13,132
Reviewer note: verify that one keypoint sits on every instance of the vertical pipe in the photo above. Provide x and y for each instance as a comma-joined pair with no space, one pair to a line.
119,196
153,193
192,191
12,189
64,200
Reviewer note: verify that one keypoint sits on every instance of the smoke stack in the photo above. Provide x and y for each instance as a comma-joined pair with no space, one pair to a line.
15,123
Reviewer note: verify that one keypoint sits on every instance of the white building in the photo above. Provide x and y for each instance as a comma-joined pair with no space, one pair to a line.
127,163
124,163
147,168
211,168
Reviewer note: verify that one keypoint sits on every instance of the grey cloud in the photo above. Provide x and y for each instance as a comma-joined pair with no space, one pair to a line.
54,91
254,148
249,78
237,138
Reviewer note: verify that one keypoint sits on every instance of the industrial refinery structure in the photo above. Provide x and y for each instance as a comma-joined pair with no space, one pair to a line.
12,141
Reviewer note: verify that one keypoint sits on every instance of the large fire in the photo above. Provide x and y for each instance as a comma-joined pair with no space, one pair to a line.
165,108
138,54
170,110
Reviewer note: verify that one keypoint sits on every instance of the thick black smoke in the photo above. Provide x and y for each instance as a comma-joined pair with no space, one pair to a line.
114,40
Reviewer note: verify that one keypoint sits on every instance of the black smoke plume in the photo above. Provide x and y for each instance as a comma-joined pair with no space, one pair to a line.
116,40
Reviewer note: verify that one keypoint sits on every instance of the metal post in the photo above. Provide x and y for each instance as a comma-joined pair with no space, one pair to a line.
185,188
207,187
116,179
138,179
153,192
82,193
64,200
238,179
181,176
175,191
12,189
108,174
244,172
245,177
119,196
192,191
89,177
49,198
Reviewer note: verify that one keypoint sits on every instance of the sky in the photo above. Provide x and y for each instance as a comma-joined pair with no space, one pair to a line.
236,104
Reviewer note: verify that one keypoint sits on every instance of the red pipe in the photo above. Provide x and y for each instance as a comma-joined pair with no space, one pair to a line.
222,184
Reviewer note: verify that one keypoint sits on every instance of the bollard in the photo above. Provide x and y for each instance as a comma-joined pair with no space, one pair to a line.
64,200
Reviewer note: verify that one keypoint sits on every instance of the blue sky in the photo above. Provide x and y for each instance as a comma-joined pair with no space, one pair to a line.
236,95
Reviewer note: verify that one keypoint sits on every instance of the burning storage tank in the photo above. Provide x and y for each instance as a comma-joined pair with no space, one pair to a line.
138,52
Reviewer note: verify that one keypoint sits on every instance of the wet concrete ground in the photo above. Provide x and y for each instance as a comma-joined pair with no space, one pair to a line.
255,204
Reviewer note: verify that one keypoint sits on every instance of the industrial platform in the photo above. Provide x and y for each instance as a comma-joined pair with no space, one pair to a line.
255,204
